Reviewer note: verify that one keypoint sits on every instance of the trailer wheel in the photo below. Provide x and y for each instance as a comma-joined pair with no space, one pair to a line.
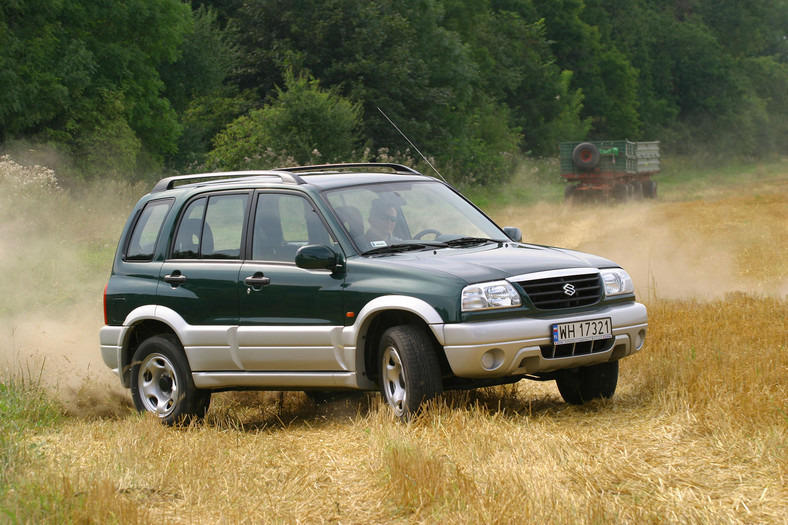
638,190
621,191
585,156
650,189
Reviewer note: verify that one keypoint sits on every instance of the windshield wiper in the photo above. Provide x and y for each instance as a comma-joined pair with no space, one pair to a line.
468,241
404,247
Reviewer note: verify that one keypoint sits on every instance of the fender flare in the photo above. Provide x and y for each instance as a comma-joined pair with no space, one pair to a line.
418,307
352,336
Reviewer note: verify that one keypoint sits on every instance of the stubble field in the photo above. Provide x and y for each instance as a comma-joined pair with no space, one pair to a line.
696,433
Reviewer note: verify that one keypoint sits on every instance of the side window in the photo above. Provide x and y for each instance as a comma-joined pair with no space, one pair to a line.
224,221
145,234
187,241
282,224
211,228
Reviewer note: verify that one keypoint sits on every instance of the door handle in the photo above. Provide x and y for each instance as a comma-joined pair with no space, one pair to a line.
176,278
257,281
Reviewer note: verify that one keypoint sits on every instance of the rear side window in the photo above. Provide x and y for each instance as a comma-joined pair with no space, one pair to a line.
145,234
212,228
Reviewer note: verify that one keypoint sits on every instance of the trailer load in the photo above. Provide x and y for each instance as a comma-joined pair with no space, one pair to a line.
609,170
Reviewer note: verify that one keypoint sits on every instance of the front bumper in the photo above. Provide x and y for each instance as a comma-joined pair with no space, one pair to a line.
510,347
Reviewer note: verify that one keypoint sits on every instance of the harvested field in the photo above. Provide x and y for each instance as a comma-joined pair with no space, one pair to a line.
696,433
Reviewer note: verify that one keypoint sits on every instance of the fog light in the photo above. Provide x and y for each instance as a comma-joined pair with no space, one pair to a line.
492,359
641,338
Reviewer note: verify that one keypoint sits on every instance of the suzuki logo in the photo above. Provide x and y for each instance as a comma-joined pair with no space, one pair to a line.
569,289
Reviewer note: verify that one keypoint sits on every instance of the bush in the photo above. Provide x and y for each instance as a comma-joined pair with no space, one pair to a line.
303,125
17,179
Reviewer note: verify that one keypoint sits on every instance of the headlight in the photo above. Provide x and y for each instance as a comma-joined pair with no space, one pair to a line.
617,282
484,296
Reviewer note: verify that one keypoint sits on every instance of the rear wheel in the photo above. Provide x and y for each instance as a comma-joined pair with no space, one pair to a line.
409,369
161,382
579,385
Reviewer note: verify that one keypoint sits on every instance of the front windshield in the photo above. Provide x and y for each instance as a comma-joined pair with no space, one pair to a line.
409,214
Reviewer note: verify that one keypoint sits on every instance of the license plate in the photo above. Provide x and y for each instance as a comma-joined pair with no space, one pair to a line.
579,331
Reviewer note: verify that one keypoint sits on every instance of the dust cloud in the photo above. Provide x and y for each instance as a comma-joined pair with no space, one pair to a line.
56,251
702,249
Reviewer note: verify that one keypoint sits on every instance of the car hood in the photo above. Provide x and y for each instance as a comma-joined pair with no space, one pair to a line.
494,262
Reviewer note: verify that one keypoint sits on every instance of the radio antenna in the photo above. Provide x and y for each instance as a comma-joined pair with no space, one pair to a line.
412,145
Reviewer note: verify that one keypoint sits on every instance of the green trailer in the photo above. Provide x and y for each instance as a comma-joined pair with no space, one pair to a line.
609,170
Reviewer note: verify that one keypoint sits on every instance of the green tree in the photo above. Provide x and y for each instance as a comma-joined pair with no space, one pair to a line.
67,69
394,55
747,29
507,42
599,69
197,86
303,124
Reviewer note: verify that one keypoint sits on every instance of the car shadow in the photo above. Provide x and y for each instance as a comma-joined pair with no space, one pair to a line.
271,411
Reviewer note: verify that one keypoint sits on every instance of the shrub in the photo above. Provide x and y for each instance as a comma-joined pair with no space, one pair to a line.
16,179
303,124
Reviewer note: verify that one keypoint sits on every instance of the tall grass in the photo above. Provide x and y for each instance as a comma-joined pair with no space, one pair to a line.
697,432
31,490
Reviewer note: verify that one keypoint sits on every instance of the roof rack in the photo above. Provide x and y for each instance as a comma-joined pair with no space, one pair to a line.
168,183
399,168
286,175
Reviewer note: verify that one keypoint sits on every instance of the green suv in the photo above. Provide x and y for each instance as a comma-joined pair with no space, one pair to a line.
350,277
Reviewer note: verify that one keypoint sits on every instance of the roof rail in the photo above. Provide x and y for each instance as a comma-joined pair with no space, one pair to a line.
287,175
169,182
396,167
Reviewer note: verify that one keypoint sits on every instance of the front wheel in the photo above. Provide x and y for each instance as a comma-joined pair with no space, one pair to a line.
409,369
579,385
161,382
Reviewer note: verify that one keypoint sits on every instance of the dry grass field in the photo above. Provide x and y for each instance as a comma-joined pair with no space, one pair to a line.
696,433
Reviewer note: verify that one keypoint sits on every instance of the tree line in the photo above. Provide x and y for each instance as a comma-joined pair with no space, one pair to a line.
125,87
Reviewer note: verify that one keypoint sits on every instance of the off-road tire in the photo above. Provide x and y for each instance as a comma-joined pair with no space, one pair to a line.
161,382
409,369
580,385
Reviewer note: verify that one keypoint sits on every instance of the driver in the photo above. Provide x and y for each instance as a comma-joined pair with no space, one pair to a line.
382,220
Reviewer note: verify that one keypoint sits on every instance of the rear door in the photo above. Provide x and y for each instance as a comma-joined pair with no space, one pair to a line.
291,318
199,278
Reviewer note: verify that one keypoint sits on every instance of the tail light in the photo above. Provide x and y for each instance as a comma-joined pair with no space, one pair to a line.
106,316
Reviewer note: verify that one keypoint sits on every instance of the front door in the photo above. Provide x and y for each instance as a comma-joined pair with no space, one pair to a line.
291,318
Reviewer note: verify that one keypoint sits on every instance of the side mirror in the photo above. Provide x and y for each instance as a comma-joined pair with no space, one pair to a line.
513,233
316,257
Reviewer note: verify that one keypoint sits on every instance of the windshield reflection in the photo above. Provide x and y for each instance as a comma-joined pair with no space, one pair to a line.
396,217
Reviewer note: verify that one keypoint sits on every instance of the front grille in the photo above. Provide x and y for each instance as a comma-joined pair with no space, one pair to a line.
550,293
574,349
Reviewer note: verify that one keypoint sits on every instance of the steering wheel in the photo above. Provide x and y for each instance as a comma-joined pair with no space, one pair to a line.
422,233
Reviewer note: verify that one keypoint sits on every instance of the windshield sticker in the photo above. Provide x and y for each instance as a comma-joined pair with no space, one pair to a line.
378,244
